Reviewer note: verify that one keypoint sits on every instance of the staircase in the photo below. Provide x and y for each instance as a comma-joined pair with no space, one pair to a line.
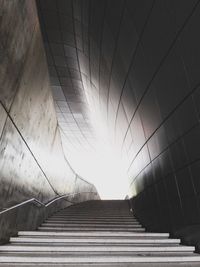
95,233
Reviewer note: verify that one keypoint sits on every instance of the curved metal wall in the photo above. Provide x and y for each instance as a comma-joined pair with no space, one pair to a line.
138,61
32,162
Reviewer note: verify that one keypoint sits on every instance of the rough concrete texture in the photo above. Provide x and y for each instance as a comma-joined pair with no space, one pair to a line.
31,156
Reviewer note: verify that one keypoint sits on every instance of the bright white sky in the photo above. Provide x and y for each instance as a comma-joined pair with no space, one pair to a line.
103,167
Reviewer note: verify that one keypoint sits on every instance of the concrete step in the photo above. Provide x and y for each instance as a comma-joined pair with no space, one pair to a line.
68,224
125,229
89,210
99,259
96,211
92,221
70,237
169,264
95,240
93,253
118,234
71,244
96,249
96,215
97,237
92,218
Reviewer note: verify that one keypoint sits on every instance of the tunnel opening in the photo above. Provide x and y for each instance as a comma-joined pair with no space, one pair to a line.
100,100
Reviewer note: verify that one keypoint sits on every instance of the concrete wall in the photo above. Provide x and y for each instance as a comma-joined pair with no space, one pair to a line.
140,60
31,156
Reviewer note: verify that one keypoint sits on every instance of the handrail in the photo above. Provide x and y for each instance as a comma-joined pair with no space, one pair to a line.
64,196
21,204
37,202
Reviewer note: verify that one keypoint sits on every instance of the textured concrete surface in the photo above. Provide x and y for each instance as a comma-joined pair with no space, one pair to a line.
32,163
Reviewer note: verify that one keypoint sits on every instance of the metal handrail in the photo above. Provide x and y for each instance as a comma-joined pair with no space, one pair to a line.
39,203
64,196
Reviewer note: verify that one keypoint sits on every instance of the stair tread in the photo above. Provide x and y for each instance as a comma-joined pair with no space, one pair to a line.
94,248
106,259
89,233
99,235
121,240
50,229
